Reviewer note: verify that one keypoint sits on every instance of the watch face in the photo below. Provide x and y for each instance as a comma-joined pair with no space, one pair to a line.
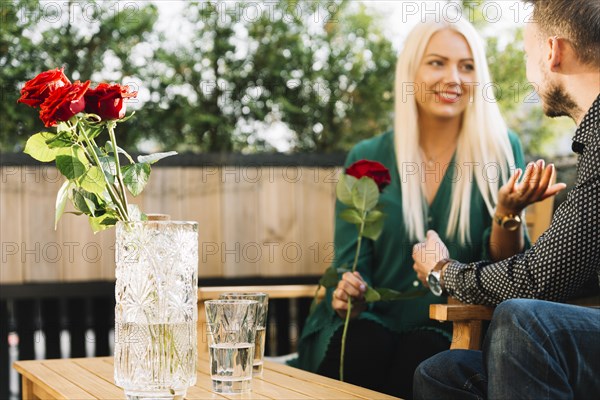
511,224
434,283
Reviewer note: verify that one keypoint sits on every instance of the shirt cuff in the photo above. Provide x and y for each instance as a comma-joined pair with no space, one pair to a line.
450,275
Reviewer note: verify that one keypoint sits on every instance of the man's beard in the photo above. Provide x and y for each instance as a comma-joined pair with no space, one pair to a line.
558,103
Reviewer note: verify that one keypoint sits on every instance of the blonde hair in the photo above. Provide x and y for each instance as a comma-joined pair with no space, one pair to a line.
483,137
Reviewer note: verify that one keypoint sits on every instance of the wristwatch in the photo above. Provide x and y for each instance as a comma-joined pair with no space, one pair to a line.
510,222
434,278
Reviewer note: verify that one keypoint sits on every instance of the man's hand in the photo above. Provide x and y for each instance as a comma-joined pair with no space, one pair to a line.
427,254
351,285
535,186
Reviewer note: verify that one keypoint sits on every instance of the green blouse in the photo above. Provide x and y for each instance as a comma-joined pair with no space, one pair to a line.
388,262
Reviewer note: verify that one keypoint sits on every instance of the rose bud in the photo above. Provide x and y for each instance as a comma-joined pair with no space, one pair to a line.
107,100
371,169
39,88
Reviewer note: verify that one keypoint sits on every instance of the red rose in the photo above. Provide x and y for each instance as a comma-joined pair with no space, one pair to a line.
63,103
39,88
371,169
107,100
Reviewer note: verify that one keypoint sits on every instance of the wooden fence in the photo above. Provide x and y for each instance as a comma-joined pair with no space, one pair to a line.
253,221
258,217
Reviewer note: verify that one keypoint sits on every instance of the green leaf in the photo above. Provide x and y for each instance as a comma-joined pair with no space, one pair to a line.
152,158
109,167
371,295
85,202
372,230
93,180
70,166
329,278
74,212
365,194
63,139
102,222
93,131
343,189
37,147
135,177
351,215
374,215
393,295
61,200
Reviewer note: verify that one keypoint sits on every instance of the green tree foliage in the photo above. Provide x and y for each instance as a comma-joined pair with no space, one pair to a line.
322,68
340,90
87,38
329,81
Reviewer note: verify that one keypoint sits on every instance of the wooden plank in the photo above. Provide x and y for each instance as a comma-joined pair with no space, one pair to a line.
275,391
50,381
343,389
240,216
164,193
26,388
11,228
203,204
274,291
204,381
104,368
313,385
84,378
41,248
82,251
278,250
315,215
466,335
40,393
460,312
198,393
107,241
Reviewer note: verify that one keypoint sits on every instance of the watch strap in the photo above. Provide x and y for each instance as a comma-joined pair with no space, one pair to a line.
439,266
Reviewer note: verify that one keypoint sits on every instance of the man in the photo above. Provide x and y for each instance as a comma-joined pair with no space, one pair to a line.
536,349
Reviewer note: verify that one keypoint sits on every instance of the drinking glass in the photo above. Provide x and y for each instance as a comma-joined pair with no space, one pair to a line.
261,324
231,332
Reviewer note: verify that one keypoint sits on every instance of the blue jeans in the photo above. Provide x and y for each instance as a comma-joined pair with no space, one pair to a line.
533,350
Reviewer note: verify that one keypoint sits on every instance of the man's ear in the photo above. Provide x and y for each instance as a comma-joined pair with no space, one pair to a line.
555,50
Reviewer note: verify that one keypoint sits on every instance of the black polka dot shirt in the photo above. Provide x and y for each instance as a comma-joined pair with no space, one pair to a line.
564,258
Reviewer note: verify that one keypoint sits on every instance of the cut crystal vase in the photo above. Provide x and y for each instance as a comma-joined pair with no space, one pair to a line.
155,312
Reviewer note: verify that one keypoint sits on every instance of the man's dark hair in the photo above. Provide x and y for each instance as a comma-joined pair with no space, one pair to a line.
575,20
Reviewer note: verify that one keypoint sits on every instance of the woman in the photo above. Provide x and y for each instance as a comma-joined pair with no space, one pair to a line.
448,155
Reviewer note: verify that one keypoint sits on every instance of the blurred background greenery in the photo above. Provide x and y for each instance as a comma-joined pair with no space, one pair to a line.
293,76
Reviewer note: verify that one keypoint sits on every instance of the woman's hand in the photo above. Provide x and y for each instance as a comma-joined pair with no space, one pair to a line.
351,285
513,197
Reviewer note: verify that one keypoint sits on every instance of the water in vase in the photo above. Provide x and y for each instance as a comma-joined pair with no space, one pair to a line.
154,358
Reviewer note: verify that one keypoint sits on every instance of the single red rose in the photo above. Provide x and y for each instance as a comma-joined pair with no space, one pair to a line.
372,169
63,103
39,88
107,100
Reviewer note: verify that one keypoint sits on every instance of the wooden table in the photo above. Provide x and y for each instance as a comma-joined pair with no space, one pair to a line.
92,378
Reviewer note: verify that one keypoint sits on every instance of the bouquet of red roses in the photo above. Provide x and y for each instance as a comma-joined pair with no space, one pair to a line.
96,182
